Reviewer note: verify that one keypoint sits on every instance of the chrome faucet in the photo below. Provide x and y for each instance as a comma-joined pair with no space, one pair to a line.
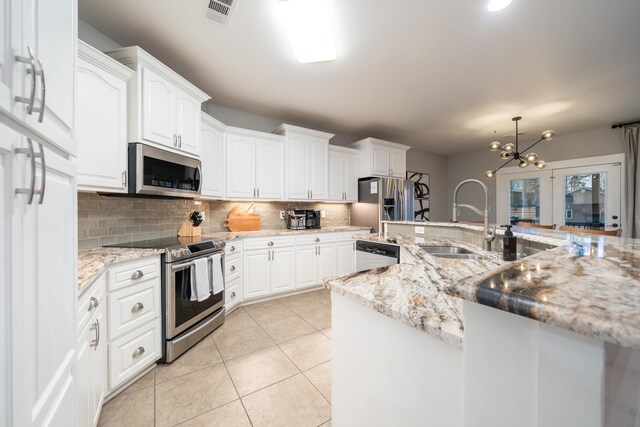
489,235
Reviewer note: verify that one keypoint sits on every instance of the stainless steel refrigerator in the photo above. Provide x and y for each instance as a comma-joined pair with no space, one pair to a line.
382,199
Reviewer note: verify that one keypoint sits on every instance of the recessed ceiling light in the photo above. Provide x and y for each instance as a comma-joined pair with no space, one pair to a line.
496,5
307,24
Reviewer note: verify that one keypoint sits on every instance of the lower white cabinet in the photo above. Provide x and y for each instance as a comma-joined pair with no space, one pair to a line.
345,259
132,353
91,364
233,275
314,263
268,266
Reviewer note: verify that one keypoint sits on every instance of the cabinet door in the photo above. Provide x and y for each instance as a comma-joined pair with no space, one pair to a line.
345,259
48,294
50,30
84,382
336,184
297,182
158,109
269,170
256,273
398,162
318,168
326,260
380,160
99,365
101,129
211,155
306,266
350,174
188,127
240,167
6,57
283,269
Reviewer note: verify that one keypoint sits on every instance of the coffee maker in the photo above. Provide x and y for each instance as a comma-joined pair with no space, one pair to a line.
313,218
301,219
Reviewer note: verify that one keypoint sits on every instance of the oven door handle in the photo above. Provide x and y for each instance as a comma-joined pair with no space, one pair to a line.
189,264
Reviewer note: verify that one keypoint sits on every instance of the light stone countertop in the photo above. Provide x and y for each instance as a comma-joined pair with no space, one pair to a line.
413,292
93,262
232,235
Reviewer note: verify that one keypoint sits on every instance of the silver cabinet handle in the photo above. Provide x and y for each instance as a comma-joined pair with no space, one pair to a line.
258,190
95,343
32,188
254,192
311,193
93,303
232,248
32,70
233,268
318,250
43,175
175,140
270,244
179,141
43,88
137,307
138,352
233,294
124,179
308,194
273,255
137,274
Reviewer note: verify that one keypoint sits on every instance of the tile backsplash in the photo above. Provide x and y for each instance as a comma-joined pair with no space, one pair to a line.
105,220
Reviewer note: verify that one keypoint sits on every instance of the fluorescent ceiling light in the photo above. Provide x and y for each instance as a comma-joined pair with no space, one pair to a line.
308,27
496,5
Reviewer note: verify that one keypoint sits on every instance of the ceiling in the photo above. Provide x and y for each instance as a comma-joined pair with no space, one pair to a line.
436,74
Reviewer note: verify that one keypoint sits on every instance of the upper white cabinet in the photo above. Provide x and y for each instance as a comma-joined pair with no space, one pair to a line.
343,176
212,157
37,63
164,108
307,163
101,121
381,158
254,165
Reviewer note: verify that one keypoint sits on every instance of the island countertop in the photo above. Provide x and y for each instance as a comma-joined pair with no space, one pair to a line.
413,292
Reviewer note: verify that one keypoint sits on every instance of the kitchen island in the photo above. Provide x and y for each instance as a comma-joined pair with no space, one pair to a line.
546,340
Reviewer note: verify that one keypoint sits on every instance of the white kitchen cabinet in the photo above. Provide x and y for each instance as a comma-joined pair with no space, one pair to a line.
233,275
381,158
314,263
42,33
163,107
91,363
257,273
283,269
343,180
254,165
307,162
345,258
268,266
101,121
212,157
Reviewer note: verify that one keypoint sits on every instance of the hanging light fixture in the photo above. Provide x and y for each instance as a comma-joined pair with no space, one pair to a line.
511,152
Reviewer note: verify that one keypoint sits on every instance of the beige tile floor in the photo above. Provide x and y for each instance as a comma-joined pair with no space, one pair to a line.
268,365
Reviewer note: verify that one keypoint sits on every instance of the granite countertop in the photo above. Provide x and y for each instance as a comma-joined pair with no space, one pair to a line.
413,292
590,286
231,235
93,262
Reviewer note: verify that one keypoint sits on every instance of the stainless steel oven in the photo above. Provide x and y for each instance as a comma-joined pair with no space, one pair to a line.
186,322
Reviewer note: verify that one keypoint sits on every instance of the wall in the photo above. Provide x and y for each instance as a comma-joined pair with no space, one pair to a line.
105,220
590,143
90,35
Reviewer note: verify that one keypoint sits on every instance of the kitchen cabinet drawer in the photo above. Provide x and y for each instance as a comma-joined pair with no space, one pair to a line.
232,268
131,353
90,300
132,307
133,272
233,247
269,242
233,294
315,239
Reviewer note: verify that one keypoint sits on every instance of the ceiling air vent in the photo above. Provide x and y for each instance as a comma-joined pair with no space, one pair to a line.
221,10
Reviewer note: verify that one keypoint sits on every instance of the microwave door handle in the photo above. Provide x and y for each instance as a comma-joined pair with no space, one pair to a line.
196,178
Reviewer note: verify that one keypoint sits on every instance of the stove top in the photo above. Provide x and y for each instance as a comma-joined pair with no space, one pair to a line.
177,248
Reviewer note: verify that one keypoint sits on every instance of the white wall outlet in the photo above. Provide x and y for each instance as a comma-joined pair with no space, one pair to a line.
323,214
281,214
419,230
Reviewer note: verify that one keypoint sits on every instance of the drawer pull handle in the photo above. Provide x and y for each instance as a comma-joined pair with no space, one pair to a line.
270,244
137,274
317,239
93,303
95,343
232,248
233,294
139,352
137,307
233,268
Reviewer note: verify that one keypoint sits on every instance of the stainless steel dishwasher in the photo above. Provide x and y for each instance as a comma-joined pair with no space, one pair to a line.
371,255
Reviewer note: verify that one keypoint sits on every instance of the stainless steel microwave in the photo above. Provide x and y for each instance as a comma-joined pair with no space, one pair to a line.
157,172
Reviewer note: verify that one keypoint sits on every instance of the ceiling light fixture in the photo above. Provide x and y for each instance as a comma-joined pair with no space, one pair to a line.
496,5
307,24
510,152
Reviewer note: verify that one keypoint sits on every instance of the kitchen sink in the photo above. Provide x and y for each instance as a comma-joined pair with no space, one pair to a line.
452,252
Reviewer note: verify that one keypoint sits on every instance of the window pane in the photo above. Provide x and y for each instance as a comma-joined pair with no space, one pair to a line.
525,200
584,197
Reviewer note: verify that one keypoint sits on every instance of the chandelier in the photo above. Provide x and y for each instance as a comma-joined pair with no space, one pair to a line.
511,152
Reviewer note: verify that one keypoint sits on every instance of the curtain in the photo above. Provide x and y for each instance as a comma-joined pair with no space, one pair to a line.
630,138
